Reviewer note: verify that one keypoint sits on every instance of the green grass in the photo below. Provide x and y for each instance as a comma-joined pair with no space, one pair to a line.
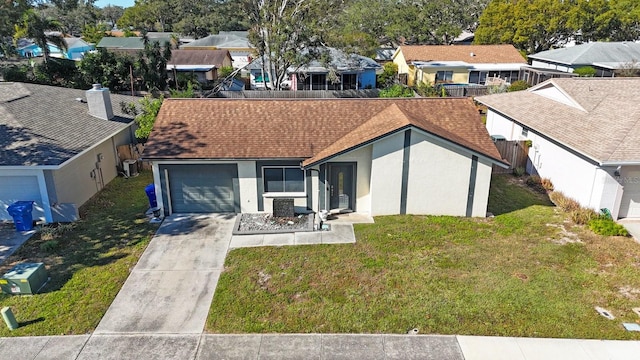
504,276
87,266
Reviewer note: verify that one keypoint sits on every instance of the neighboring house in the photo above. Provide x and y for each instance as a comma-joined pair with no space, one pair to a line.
343,72
584,134
76,48
58,146
373,156
465,38
130,45
237,42
384,55
204,64
470,64
605,57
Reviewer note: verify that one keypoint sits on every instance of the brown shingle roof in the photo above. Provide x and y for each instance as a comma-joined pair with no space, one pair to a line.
482,54
199,57
603,124
312,129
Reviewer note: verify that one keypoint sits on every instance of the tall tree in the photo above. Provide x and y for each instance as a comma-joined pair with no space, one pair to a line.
10,14
530,25
285,34
42,31
151,65
111,14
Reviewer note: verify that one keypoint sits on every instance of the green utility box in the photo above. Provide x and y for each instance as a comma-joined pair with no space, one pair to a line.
25,278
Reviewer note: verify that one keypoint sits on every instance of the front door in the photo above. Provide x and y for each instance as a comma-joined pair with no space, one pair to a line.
341,186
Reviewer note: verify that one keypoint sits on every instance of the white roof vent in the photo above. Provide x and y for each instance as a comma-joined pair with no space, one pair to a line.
472,54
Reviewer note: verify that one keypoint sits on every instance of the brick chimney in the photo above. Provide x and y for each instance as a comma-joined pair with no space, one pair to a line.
99,101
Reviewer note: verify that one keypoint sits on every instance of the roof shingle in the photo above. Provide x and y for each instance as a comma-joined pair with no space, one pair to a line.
472,54
312,129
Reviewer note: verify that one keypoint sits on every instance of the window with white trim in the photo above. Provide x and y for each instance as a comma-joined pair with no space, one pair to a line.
444,76
288,179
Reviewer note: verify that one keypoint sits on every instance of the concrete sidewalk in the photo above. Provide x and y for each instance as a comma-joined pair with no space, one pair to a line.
339,234
171,288
11,240
311,346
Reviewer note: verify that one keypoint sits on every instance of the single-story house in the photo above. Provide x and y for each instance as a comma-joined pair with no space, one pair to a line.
373,156
58,146
605,57
204,64
76,48
236,42
584,135
469,64
351,71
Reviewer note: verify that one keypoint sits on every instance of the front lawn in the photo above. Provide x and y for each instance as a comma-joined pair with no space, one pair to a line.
87,264
526,272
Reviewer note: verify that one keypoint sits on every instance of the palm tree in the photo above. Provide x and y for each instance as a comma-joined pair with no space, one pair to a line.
40,30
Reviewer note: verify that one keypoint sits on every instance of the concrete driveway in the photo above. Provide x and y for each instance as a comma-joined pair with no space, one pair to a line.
171,288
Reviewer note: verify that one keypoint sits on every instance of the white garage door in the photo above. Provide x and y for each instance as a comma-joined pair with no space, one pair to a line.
630,204
19,188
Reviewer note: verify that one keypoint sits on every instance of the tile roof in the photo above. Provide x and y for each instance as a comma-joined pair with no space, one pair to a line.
312,129
603,123
592,53
199,57
482,54
45,125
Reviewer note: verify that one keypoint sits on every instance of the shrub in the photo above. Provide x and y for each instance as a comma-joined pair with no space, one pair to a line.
565,203
585,71
396,91
546,184
582,216
49,246
519,171
518,86
607,227
535,183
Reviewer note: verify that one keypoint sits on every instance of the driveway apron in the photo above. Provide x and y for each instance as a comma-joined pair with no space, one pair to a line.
171,288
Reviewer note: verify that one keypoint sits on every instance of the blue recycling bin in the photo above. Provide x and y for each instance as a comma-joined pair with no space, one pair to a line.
151,194
21,211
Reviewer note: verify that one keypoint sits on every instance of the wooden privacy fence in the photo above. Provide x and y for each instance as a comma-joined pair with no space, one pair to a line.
516,152
465,90
132,152
302,94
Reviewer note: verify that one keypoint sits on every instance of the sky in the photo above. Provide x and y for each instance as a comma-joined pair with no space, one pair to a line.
123,3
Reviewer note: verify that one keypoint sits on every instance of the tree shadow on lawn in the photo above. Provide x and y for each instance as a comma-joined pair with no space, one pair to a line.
509,193
111,226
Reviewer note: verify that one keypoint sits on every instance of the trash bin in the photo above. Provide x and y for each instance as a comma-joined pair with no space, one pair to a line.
151,194
21,211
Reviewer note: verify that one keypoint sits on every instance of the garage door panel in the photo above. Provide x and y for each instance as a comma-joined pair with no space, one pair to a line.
19,188
630,203
202,188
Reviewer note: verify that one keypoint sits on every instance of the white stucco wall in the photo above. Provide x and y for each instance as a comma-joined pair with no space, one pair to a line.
248,186
438,177
362,158
386,175
498,125
483,183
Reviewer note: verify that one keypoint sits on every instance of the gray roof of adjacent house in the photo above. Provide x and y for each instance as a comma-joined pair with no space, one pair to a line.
339,60
604,54
596,117
46,125
223,40
128,43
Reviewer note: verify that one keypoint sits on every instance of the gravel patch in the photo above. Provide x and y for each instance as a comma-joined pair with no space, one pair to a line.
267,223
